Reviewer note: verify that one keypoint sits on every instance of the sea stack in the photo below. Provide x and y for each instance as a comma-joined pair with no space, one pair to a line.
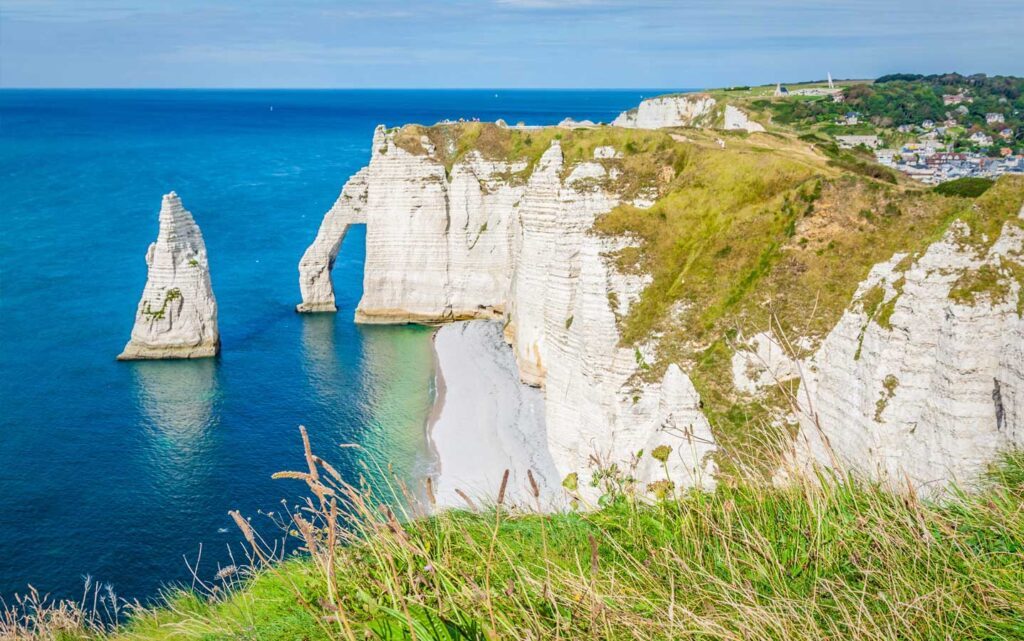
177,316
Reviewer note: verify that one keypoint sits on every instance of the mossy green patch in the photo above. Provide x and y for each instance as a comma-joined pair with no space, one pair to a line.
991,283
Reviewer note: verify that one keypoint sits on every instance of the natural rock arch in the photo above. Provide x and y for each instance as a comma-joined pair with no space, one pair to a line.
316,264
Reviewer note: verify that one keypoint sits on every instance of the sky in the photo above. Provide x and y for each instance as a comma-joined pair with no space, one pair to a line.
497,43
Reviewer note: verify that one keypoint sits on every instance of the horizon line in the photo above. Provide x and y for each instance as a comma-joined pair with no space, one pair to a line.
112,88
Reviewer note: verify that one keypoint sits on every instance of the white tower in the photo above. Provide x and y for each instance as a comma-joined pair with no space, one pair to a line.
830,85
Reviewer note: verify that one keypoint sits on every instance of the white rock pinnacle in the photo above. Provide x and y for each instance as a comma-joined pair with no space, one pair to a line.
177,316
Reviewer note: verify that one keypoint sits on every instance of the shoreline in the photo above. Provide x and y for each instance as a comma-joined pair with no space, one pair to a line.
485,420
436,407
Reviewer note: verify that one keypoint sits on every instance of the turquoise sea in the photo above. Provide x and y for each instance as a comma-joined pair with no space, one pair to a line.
120,471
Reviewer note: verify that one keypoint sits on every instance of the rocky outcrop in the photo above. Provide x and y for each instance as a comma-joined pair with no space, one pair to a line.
438,242
481,240
915,383
736,118
762,362
177,316
684,110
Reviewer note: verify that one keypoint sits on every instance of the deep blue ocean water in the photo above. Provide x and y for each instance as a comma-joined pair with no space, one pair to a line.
119,470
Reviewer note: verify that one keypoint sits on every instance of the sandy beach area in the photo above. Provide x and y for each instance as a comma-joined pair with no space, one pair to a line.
486,421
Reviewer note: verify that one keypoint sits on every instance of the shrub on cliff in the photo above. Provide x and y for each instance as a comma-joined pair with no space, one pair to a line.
964,187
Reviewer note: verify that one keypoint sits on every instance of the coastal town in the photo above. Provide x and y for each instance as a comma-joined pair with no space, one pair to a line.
952,127
937,152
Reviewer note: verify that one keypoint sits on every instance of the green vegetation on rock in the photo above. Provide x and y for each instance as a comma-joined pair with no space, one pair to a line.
965,187
771,235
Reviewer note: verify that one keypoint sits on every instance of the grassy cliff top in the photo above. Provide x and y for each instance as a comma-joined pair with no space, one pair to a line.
758,237
837,559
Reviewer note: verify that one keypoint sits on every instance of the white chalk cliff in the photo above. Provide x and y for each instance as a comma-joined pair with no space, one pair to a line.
736,118
177,315
685,110
474,243
933,393
682,110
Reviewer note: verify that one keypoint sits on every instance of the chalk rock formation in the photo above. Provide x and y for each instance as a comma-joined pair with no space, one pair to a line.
473,243
316,264
762,362
736,118
684,110
922,387
177,316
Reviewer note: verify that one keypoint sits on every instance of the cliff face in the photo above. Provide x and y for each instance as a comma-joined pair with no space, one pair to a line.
633,268
438,240
177,316
686,110
923,378
480,239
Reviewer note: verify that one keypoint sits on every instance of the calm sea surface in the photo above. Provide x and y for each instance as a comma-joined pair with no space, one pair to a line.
120,470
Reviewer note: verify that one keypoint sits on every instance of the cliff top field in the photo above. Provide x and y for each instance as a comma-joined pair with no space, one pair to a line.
748,233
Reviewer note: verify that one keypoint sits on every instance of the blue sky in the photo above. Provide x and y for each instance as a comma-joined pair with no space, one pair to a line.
496,43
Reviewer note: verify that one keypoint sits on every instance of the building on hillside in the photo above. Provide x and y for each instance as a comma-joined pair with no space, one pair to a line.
1006,133
780,90
993,118
927,124
851,118
945,157
905,129
886,157
981,138
1005,151
849,142
956,99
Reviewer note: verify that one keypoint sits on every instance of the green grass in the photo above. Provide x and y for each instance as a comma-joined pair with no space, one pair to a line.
966,187
830,559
